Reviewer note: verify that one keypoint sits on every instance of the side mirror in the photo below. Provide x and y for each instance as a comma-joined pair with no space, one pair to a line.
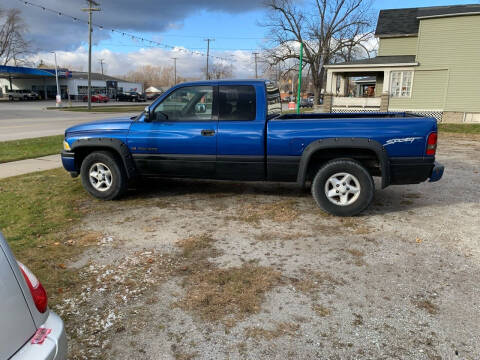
146,114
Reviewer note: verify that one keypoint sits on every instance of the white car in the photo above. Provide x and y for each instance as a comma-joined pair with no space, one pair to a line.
28,329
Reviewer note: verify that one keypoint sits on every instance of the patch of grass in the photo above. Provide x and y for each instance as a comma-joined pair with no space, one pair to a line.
216,293
321,310
107,109
280,211
357,255
192,246
358,321
426,305
276,235
15,150
313,280
460,128
281,329
355,225
38,212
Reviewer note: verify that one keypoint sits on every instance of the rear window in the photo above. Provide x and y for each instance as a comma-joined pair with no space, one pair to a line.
274,103
237,103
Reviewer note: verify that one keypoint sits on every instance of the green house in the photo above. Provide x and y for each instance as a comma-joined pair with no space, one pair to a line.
428,62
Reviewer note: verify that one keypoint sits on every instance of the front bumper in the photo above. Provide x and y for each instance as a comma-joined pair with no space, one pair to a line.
437,172
68,162
53,348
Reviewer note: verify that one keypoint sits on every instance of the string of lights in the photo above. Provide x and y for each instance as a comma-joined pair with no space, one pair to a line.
148,42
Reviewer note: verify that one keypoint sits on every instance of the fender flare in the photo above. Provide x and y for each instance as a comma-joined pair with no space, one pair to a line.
115,144
354,143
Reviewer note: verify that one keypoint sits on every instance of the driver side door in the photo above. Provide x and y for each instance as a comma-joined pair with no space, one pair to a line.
181,138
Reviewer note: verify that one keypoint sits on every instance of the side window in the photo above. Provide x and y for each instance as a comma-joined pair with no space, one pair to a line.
237,102
193,103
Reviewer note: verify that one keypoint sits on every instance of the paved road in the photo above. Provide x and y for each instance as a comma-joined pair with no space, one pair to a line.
21,120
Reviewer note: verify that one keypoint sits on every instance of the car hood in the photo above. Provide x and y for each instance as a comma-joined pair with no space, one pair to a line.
116,124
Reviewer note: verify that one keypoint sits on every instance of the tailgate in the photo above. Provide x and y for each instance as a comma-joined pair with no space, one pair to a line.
16,323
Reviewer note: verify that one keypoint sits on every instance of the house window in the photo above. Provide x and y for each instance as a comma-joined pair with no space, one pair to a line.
401,84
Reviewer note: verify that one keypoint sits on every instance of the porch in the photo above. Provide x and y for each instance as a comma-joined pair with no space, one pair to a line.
366,85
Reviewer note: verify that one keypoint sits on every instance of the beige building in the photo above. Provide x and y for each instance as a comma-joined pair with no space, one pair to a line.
428,62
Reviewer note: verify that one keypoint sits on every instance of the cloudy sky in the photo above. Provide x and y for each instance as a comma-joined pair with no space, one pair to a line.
181,24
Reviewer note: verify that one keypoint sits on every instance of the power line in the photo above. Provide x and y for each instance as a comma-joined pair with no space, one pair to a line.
123,33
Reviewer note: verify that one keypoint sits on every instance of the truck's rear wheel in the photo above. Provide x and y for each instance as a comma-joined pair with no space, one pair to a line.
343,187
103,176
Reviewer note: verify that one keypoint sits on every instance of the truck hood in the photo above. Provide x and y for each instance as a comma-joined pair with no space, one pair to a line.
116,124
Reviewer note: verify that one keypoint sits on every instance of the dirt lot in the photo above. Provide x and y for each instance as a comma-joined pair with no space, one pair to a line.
217,270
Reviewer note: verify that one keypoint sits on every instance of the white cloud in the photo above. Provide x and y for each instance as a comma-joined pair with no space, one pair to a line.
117,64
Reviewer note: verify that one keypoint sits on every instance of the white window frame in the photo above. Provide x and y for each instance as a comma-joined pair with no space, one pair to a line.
401,72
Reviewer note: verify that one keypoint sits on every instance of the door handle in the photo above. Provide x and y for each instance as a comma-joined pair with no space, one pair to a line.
208,132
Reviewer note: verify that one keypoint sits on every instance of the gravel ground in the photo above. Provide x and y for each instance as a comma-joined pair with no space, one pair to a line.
402,281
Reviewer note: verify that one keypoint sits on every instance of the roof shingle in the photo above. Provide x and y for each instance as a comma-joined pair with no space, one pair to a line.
406,22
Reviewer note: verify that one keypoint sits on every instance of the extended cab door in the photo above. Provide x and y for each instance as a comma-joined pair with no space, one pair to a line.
241,132
180,140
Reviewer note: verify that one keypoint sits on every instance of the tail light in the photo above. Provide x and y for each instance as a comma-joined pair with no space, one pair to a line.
39,294
432,143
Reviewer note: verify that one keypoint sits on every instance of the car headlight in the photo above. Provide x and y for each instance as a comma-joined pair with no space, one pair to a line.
66,147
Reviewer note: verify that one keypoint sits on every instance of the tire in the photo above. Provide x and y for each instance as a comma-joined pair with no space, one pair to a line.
331,179
10,98
104,163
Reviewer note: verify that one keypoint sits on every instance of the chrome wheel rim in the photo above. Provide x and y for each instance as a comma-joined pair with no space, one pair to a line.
342,189
100,177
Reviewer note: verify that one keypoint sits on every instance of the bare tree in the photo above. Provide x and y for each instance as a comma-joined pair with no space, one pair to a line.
219,71
154,76
12,44
326,32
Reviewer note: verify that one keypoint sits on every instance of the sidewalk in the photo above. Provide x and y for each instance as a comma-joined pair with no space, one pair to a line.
31,165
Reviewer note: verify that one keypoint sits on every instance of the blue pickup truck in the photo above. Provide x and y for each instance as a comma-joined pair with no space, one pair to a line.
235,130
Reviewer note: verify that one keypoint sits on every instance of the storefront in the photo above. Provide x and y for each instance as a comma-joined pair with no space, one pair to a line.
73,84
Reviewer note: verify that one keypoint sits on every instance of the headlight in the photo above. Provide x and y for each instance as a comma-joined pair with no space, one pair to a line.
66,147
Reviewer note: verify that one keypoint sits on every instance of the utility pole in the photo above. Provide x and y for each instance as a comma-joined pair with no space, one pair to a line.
208,55
256,62
58,98
90,9
101,65
175,70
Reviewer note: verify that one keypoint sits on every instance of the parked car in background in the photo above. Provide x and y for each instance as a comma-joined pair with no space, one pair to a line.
153,96
14,95
29,95
235,130
132,96
306,103
28,329
98,98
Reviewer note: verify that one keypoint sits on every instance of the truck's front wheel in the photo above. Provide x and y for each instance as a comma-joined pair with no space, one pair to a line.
103,176
343,187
